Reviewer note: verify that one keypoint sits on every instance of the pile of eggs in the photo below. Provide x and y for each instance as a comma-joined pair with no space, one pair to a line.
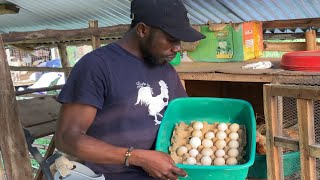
201,143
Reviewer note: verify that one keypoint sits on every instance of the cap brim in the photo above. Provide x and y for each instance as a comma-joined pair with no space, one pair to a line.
187,34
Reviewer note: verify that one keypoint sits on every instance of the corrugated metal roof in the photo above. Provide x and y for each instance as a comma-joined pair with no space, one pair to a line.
74,14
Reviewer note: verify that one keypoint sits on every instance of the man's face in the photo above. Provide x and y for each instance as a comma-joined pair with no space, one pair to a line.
158,47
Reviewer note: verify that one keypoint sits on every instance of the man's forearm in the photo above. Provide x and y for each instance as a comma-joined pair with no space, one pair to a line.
90,149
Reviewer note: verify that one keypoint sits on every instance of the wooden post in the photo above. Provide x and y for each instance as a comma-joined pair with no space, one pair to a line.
12,141
64,58
311,40
95,39
273,128
305,111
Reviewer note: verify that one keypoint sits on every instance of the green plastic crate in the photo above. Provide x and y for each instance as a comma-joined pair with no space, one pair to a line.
291,164
210,110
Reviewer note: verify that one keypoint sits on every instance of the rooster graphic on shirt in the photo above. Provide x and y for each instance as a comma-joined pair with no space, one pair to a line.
155,103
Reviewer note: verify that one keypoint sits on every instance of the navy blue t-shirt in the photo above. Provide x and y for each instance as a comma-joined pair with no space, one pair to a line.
130,97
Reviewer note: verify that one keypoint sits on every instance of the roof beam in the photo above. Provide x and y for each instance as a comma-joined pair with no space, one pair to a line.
292,24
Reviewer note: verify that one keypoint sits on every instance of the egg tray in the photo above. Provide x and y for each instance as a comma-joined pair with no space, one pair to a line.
182,134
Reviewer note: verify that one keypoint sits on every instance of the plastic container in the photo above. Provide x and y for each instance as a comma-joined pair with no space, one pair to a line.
210,110
291,164
301,61
176,60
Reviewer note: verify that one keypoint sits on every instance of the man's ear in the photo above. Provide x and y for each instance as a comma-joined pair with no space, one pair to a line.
142,30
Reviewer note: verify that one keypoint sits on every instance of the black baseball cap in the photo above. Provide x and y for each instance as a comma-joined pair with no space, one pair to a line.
168,15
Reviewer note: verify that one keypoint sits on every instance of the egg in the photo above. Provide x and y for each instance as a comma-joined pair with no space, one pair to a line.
206,160
207,152
220,153
196,133
233,144
233,152
197,125
232,161
222,126
219,161
191,161
221,135
207,143
182,150
193,152
220,144
234,127
209,135
195,142
233,136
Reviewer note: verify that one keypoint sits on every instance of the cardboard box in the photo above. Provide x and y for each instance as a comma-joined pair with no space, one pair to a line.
229,42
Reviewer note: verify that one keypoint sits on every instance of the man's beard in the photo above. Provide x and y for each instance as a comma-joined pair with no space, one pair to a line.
148,57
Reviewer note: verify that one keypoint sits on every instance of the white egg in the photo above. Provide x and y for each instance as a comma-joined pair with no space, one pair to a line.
195,142
182,150
233,152
206,160
207,143
222,126
196,133
197,125
207,151
232,161
234,127
219,161
221,135
220,153
220,144
233,144
191,160
193,152
233,135
209,135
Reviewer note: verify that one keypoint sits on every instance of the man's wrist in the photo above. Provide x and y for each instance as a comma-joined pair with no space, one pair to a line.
127,156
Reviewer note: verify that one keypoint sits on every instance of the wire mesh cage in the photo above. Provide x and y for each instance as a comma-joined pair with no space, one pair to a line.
287,112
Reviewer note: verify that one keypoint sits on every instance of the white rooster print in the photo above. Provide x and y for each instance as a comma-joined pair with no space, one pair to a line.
155,103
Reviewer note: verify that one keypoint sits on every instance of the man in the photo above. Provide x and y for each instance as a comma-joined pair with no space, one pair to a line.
115,96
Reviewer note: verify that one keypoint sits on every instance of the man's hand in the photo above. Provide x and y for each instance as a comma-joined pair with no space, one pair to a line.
157,164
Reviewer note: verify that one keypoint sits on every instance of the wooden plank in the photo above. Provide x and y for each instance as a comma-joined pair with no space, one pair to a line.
12,142
285,36
39,69
296,91
311,40
64,58
273,128
37,111
292,24
95,39
286,143
314,150
42,130
55,36
284,46
305,110
29,91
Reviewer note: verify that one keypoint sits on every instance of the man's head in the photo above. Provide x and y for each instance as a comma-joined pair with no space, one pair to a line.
161,26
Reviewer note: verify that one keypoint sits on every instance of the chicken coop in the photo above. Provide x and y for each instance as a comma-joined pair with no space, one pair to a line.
285,102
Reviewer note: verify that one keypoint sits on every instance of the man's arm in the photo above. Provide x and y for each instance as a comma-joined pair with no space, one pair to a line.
71,137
